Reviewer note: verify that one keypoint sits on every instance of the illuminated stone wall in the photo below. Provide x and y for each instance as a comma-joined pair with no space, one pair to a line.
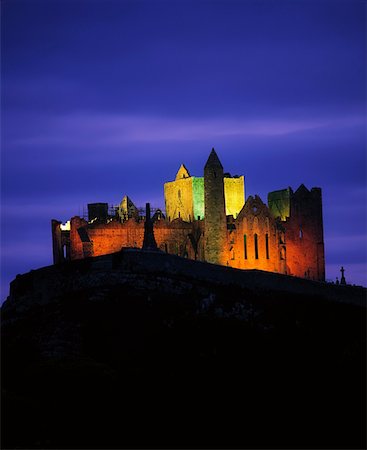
284,237
178,197
127,210
254,239
198,197
173,237
76,243
279,203
234,194
215,212
304,235
184,197
100,239
111,237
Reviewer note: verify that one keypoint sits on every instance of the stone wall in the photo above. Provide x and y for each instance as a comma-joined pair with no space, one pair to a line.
254,242
111,237
208,219
234,194
215,213
178,197
304,235
177,237
279,203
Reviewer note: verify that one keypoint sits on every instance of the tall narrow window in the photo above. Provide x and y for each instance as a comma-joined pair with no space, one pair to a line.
245,245
282,253
256,247
267,245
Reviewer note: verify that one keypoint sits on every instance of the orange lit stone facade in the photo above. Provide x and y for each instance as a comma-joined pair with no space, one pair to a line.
285,236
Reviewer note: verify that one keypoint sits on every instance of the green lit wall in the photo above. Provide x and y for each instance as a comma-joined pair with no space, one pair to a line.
184,197
279,203
198,196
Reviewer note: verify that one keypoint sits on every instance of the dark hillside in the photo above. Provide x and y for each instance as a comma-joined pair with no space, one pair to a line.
192,364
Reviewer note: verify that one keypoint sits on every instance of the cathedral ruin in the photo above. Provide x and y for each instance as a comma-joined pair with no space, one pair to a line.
209,219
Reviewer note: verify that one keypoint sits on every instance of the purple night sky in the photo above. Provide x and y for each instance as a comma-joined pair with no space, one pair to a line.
106,98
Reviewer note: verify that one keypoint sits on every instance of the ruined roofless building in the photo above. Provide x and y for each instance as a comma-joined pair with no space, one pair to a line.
208,219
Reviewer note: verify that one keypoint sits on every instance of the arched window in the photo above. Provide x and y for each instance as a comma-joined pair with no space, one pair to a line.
282,253
267,224
267,245
245,246
256,246
232,253
256,222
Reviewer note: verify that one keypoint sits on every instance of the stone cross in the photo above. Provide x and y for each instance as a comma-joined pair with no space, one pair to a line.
342,279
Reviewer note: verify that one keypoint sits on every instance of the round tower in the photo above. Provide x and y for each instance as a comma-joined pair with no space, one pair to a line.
215,211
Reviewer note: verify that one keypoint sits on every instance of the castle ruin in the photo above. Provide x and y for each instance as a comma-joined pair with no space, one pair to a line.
209,219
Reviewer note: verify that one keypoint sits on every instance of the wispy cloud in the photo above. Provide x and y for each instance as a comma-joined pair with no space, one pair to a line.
83,130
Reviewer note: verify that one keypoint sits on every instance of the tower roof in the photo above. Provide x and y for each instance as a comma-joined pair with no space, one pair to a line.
213,160
182,173
127,203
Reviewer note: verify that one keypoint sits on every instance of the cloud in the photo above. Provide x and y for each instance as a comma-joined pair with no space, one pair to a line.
85,131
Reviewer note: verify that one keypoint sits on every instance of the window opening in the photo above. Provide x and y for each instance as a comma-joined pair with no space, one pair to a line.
232,253
282,253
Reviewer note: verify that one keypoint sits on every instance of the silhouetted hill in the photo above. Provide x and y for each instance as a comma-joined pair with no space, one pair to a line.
141,349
